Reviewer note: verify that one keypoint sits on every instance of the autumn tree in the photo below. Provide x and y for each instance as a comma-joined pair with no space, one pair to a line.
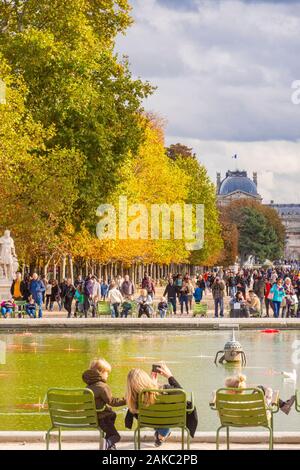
76,84
200,191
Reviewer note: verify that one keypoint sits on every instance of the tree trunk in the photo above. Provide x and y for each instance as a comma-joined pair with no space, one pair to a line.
71,269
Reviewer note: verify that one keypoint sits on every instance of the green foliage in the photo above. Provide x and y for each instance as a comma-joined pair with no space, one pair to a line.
256,236
63,50
200,191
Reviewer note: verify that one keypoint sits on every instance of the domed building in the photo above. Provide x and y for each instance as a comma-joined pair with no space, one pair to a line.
236,185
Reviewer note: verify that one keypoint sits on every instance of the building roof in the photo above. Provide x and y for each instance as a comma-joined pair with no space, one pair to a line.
237,181
287,209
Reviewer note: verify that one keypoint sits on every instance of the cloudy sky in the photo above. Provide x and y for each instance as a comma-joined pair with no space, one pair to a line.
224,71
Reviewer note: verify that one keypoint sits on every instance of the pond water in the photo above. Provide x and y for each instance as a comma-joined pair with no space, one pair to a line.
38,361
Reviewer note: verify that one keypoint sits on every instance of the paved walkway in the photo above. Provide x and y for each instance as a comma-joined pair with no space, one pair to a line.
88,440
147,446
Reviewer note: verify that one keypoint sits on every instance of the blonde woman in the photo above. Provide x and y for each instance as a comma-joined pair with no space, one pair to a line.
137,381
239,382
144,301
96,379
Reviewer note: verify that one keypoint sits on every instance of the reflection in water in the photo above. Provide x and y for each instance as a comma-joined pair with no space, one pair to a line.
37,362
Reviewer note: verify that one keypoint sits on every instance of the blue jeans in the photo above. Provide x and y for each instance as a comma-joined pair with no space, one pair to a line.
219,301
163,432
183,299
30,311
115,310
172,301
5,310
276,306
125,311
39,303
162,312
232,291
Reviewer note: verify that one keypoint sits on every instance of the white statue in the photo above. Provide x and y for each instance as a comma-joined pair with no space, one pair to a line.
8,257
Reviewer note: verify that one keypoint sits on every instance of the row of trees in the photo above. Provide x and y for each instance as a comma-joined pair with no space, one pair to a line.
73,135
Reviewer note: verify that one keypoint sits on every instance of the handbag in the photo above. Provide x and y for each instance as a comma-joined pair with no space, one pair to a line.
271,296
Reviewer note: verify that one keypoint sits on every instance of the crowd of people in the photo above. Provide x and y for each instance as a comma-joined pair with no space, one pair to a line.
251,293
264,292
82,296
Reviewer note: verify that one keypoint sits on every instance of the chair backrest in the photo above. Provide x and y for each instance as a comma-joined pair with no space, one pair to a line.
103,308
242,407
199,308
169,409
72,408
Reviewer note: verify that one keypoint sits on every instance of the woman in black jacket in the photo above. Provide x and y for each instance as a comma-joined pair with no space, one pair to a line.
137,381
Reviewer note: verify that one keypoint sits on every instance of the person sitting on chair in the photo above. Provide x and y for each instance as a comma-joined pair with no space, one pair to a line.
253,304
7,307
96,379
238,307
162,307
144,301
239,382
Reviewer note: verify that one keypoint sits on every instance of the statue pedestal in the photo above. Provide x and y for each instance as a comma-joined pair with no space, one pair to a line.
5,286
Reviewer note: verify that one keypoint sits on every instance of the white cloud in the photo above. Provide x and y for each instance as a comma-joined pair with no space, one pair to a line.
224,71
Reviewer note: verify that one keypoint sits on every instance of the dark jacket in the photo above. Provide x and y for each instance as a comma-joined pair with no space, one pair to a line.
191,418
170,291
69,292
23,288
148,284
259,287
102,392
55,294
127,288
88,287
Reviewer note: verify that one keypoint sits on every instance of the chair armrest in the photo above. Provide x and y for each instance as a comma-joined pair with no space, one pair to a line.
190,410
274,405
212,401
297,403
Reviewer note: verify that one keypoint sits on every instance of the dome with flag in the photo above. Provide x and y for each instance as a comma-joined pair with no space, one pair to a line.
237,181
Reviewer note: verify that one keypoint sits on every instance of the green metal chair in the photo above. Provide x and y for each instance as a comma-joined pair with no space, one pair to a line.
72,408
103,309
170,310
20,308
241,408
200,309
297,402
168,411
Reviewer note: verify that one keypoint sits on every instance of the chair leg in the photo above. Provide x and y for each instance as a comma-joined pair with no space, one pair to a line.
188,438
227,437
101,439
48,439
59,438
135,439
139,439
182,438
218,437
271,439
